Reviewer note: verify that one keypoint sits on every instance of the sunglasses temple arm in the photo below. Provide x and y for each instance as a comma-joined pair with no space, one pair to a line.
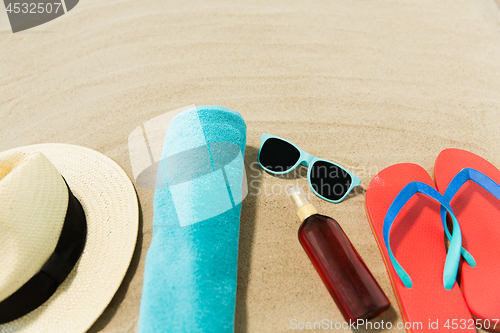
355,181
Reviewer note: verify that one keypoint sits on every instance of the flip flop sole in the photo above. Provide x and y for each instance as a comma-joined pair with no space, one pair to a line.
417,240
478,213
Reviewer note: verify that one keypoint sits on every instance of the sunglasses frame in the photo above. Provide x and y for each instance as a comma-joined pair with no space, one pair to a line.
307,160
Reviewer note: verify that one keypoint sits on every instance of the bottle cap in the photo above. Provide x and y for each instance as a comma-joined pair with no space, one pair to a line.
300,202
297,197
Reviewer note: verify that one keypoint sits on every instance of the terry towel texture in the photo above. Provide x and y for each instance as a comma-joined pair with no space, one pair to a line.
191,265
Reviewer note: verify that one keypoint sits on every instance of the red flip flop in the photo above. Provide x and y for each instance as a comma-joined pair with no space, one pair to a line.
417,242
478,213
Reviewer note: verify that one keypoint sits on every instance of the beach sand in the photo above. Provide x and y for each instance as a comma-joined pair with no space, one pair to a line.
364,83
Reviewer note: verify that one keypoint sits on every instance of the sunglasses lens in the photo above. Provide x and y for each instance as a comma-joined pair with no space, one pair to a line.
329,180
278,156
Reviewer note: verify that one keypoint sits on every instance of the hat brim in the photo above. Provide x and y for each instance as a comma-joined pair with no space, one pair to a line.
112,212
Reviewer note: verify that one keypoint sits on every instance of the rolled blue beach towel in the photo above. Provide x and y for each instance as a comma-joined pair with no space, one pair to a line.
190,272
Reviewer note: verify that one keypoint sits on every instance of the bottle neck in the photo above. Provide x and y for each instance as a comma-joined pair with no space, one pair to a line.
305,211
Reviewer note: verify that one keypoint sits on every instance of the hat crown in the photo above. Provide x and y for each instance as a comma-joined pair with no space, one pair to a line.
33,205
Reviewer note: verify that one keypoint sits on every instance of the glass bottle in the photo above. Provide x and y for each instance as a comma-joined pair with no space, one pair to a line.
345,275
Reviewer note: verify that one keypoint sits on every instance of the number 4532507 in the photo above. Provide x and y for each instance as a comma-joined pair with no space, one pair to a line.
470,324
33,8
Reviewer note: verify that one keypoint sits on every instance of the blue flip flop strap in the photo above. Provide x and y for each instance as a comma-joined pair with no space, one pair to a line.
453,256
456,183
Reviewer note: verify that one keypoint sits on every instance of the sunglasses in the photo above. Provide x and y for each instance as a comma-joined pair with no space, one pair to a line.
327,180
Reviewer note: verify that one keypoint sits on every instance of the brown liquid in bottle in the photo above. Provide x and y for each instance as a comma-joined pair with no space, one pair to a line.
345,275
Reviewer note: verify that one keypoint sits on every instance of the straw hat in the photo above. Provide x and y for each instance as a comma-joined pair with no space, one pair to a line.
35,205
